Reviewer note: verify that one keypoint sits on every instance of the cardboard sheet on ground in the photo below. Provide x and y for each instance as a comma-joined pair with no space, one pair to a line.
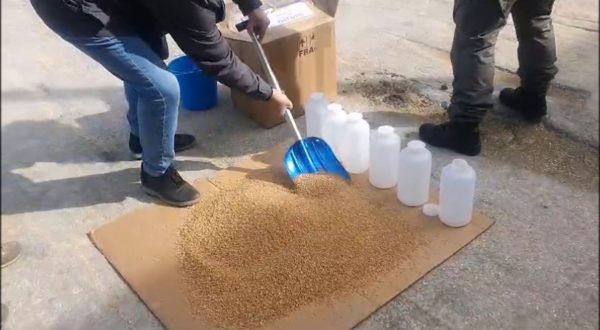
141,247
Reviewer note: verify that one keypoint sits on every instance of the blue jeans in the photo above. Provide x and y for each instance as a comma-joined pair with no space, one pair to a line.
151,91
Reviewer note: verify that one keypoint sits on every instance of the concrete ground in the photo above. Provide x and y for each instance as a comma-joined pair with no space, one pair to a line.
66,170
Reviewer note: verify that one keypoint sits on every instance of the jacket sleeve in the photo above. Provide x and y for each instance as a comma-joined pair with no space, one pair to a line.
193,27
247,6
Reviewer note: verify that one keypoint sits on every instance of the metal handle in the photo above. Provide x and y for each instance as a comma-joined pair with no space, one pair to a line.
241,26
267,68
264,62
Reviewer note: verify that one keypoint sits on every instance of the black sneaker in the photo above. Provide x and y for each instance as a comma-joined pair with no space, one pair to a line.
531,106
182,142
462,138
170,188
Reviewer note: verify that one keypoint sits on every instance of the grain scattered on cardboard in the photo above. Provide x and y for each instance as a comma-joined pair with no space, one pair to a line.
255,254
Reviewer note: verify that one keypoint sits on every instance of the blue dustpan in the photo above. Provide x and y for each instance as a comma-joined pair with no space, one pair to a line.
310,156
307,156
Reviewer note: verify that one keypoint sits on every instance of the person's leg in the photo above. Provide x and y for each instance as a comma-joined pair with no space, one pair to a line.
477,26
182,141
472,55
132,101
131,60
537,58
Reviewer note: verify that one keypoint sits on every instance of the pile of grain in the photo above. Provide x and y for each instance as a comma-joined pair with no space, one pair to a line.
254,254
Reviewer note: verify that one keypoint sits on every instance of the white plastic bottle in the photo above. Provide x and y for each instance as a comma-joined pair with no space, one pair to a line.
354,144
414,174
457,192
329,111
315,113
383,167
333,125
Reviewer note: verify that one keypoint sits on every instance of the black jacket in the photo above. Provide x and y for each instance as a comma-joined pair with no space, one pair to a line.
191,23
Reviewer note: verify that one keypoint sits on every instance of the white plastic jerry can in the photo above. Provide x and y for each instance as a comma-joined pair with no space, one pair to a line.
457,192
414,174
316,108
354,144
384,153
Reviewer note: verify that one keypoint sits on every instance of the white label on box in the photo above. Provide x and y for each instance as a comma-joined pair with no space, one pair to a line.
288,14
281,16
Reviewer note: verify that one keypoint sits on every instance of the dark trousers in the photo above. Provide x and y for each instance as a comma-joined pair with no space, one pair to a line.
478,23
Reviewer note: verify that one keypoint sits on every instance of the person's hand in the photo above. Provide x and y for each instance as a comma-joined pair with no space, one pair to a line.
281,100
258,22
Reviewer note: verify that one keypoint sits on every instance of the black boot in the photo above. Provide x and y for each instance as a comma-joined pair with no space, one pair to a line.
170,188
182,142
459,137
531,105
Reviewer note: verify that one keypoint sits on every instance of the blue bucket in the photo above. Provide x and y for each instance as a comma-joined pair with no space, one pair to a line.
198,90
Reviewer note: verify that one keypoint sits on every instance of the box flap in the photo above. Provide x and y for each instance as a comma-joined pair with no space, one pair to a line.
327,6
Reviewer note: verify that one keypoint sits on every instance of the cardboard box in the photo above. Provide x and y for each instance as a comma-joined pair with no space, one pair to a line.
300,46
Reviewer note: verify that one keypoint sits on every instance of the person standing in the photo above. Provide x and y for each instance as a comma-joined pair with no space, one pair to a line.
127,37
477,26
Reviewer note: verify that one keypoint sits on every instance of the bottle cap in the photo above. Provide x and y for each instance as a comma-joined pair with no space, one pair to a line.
416,144
338,112
334,106
385,130
317,96
431,210
461,163
355,116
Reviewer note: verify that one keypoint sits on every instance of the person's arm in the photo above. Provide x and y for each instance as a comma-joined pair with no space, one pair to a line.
193,27
258,20
247,6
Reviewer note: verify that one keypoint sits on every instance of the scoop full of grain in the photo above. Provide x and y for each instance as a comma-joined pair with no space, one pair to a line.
255,254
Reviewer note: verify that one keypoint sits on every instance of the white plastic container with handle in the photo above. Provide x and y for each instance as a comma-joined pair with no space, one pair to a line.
383,166
316,108
354,144
414,174
457,192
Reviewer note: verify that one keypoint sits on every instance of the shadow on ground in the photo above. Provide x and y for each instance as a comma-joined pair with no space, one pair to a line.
100,140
